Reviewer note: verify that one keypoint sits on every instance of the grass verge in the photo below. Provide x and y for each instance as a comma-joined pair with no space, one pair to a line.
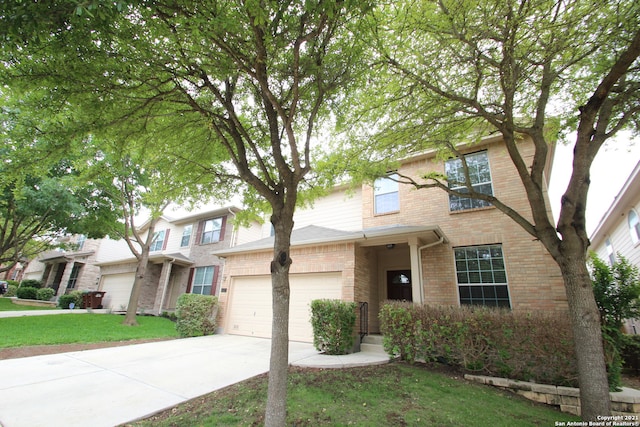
80,328
7,305
396,394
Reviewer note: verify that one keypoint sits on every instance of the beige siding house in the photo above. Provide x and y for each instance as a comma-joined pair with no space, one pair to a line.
618,232
414,245
180,260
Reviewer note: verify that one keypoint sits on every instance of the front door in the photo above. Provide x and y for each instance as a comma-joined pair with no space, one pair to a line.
399,285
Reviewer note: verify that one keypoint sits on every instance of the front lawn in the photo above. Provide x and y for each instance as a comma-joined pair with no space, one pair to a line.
6,304
396,394
80,328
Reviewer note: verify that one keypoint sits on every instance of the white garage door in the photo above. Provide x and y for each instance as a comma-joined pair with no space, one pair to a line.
117,288
250,310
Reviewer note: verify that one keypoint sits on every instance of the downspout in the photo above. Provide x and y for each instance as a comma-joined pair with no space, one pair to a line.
234,234
420,272
166,283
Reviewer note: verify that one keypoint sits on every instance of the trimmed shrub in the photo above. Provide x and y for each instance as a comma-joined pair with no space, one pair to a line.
31,283
45,294
26,292
333,323
74,297
524,346
12,291
196,315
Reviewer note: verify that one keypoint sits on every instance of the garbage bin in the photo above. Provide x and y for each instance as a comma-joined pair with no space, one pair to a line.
92,299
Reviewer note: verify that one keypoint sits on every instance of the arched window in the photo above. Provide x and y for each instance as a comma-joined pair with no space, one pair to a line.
634,226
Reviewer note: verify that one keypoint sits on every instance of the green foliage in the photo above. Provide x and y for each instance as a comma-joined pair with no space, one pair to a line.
31,283
523,346
616,289
45,294
12,291
196,315
333,323
74,297
26,292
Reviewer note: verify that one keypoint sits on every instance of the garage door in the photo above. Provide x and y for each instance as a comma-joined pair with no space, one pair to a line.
117,288
250,310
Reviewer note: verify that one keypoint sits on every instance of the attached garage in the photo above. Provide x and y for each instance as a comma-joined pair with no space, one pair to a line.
117,288
250,312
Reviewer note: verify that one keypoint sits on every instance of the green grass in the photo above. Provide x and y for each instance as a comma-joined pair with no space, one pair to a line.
7,305
80,328
396,394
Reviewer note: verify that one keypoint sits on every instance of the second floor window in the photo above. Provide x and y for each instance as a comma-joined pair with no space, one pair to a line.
479,175
634,226
211,231
386,195
610,254
186,236
158,241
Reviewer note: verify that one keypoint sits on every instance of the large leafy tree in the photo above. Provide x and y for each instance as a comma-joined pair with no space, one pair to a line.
453,71
246,84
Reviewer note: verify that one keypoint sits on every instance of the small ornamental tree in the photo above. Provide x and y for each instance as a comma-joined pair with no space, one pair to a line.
617,291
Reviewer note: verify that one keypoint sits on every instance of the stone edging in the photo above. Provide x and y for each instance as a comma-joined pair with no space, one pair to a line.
567,399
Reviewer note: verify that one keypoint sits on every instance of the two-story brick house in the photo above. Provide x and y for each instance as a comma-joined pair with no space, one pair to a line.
70,269
390,241
180,260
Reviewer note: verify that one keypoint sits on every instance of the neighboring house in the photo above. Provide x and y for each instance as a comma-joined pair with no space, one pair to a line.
391,241
618,232
67,270
180,260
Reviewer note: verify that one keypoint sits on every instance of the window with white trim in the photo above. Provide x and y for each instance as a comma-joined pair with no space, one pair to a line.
481,275
634,226
202,280
211,231
186,236
610,254
479,176
386,195
158,241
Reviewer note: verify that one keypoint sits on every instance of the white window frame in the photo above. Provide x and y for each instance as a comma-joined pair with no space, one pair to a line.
634,226
455,167
209,233
158,241
386,194
186,235
611,255
487,273
203,279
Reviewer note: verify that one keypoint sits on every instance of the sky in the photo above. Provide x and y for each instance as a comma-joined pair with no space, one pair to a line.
609,171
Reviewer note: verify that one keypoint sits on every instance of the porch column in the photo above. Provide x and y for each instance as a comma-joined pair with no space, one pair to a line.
417,291
64,280
165,274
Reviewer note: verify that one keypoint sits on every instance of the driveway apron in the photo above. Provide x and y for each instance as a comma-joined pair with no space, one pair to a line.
111,386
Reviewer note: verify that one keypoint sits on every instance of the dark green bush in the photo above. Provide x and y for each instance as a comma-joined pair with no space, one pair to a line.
12,291
523,346
45,294
26,292
196,315
74,297
31,283
333,323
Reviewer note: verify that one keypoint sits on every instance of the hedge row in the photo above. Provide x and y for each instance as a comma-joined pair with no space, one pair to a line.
524,346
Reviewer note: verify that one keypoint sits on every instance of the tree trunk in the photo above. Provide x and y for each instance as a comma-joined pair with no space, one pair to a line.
141,270
276,410
587,335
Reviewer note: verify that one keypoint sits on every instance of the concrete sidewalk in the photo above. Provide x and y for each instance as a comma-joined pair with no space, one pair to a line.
111,386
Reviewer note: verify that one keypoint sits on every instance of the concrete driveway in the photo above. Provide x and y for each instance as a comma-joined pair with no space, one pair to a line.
111,386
